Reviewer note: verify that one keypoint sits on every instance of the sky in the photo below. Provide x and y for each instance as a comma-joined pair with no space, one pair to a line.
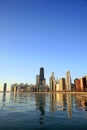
42,33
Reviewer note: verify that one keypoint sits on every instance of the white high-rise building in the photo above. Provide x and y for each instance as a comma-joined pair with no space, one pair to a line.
68,81
37,80
52,82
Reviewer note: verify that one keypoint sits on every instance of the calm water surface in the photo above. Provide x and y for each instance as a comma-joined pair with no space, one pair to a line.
34,111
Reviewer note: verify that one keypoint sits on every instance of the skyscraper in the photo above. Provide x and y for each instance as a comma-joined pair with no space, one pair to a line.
52,82
68,81
5,86
41,76
41,81
61,84
37,80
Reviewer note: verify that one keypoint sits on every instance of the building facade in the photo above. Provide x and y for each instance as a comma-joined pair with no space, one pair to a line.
61,84
83,83
37,80
41,76
77,85
68,81
5,87
40,81
52,82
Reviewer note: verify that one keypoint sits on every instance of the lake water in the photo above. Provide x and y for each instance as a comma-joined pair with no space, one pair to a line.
34,111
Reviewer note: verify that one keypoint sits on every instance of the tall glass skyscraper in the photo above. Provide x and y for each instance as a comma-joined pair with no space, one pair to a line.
41,75
41,81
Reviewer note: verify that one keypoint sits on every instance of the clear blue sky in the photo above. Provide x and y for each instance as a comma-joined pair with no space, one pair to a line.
42,33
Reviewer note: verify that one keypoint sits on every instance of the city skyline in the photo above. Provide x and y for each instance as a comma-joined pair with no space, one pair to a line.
41,80
42,33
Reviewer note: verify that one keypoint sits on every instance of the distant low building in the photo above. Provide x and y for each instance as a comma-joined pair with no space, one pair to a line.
20,87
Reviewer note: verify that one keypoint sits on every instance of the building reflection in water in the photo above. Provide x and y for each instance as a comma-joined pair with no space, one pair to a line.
19,97
3,99
69,105
81,102
40,99
13,96
57,101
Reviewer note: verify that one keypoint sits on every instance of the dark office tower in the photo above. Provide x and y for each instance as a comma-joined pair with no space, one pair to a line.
41,75
5,86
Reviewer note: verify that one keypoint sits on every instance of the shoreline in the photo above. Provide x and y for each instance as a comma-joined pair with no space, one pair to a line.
48,92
